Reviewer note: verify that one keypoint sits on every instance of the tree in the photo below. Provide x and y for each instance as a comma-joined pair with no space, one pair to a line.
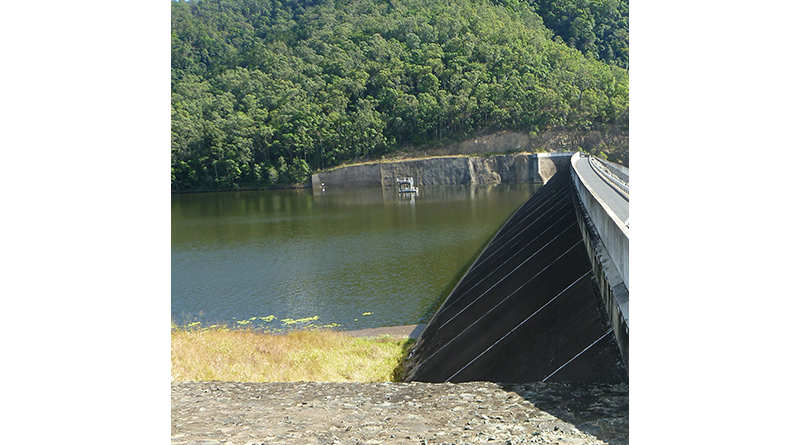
263,93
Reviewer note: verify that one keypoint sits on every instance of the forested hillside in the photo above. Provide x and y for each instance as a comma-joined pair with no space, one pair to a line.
265,91
599,28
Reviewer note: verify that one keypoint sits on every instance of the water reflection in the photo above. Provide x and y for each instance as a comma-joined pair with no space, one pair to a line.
335,254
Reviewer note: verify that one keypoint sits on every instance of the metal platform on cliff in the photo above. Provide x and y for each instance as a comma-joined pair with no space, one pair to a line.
407,185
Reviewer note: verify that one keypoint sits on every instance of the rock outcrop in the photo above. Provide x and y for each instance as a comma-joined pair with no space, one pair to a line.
448,170
398,413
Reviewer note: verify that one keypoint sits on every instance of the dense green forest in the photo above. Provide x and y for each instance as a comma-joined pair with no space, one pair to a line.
266,91
599,28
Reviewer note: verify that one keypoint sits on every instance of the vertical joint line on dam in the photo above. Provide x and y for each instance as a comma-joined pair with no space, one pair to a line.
560,195
531,305
498,304
519,232
520,324
444,308
513,227
573,358
514,270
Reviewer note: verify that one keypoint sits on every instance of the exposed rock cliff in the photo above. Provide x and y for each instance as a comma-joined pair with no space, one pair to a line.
448,170
613,143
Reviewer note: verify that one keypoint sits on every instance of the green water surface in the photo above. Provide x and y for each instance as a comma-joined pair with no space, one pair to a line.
349,258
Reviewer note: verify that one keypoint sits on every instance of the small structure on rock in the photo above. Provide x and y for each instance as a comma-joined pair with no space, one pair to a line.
407,185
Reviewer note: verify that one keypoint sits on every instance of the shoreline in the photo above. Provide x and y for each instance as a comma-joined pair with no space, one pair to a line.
400,332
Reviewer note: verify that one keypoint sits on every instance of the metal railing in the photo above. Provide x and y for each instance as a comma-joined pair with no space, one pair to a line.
555,155
605,173
620,170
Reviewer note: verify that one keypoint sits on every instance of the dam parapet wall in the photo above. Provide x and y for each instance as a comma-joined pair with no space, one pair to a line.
607,239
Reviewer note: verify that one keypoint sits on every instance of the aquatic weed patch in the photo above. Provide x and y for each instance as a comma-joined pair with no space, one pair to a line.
262,324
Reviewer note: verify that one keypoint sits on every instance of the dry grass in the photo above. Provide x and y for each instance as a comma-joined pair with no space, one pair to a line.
302,355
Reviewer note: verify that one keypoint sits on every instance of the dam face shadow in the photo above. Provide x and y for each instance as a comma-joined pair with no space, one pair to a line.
599,409
528,310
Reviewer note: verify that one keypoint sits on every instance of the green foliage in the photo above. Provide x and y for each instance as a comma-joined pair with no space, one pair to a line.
264,92
599,28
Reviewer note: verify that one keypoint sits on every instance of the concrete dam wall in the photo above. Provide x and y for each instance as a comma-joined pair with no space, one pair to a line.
607,240
529,309
448,170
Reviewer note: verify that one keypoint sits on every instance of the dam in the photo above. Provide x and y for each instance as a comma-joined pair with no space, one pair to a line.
528,310
547,299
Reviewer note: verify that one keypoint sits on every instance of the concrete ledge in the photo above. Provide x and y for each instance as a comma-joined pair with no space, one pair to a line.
612,290
613,232
612,284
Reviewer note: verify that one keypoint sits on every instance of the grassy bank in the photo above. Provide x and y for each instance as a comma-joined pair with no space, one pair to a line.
301,355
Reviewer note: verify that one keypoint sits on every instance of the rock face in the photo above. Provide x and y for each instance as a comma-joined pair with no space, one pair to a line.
398,413
553,140
447,170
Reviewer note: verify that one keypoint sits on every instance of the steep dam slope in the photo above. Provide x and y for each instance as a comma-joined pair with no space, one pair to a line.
528,309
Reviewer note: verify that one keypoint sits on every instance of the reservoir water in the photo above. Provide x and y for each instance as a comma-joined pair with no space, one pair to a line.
348,258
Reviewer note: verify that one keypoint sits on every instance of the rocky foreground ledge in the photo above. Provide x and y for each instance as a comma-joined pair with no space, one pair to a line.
398,413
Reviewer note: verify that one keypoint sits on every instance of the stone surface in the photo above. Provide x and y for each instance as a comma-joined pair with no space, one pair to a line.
407,413
520,168
549,140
